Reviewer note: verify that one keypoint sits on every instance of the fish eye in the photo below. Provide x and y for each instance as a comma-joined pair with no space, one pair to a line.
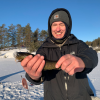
17,54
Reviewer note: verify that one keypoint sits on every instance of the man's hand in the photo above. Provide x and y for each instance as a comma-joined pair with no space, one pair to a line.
33,66
70,64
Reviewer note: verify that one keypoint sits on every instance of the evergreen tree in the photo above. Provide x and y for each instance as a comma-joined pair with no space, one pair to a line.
99,42
12,32
19,35
42,36
94,44
27,33
8,38
34,40
89,43
5,42
3,36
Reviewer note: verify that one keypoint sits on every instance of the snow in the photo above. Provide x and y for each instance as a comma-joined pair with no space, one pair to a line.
10,79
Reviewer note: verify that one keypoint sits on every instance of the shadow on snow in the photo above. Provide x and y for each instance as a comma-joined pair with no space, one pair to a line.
2,54
6,76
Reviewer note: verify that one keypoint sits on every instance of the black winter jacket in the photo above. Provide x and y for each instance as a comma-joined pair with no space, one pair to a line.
58,85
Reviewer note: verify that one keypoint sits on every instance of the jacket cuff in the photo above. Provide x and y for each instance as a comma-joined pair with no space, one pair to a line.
88,65
36,82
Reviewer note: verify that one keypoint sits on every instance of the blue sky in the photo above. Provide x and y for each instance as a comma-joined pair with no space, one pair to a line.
85,15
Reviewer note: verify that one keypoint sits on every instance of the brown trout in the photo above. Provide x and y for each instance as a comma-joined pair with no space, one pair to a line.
49,65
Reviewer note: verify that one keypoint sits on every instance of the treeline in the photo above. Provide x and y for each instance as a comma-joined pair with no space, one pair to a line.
18,36
94,43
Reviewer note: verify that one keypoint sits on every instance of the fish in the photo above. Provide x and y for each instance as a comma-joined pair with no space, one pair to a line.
49,65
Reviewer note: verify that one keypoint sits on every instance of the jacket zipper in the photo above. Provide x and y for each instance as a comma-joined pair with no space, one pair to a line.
60,50
66,78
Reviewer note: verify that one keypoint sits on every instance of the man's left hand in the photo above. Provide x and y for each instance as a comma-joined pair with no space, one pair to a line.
70,64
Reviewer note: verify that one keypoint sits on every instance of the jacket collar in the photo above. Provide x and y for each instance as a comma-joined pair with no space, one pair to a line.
70,40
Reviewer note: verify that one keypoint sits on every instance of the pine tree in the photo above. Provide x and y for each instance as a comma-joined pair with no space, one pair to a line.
12,32
34,40
8,39
3,36
19,35
27,33
42,36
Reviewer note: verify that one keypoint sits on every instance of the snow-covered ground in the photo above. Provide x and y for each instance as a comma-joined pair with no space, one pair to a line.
10,79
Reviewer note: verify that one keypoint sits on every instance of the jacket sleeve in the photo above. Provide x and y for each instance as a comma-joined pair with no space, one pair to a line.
38,82
42,78
88,55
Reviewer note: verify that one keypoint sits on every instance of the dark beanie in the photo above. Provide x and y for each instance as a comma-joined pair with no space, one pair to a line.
59,16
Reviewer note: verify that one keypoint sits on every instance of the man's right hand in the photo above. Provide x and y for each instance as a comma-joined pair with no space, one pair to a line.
33,66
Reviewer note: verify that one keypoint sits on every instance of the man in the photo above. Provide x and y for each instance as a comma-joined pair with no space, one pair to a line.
74,57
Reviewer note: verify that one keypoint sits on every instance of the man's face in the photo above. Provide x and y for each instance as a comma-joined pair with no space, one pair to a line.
58,29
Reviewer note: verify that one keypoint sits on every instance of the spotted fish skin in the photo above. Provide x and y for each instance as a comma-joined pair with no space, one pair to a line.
49,65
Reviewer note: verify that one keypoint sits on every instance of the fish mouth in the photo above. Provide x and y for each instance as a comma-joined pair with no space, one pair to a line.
15,54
